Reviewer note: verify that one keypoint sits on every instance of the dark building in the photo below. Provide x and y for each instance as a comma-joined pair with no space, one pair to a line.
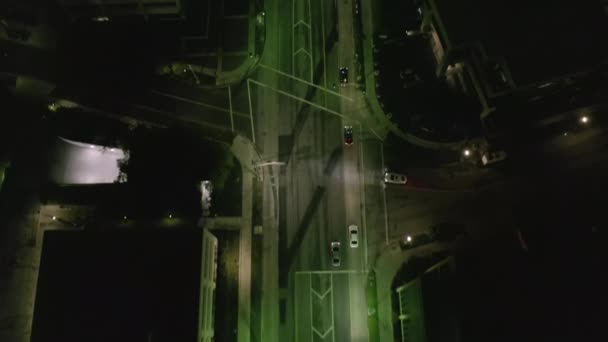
103,10
426,310
493,49
126,285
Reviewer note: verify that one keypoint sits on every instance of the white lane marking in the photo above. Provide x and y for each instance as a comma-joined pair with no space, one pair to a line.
322,295
250,112
302,50
305,82
363,203
294,97
301,22
331,272
230,104
198,103
384,197
331,286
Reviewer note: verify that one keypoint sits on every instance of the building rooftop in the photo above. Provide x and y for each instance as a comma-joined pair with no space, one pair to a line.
539,40
120,285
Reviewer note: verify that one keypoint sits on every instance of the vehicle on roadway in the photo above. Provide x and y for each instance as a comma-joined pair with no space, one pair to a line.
335,253
394,178
343,76
353,233
493,157
348,135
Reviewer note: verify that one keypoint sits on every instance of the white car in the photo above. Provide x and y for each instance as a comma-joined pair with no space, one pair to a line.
493,157
335,253
395,178
353,233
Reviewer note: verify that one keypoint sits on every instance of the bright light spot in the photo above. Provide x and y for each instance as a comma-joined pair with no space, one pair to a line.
170,216
585,119
124,217
466,153
565,134
80,163
52,107
409,238
54,218
101,19
112,149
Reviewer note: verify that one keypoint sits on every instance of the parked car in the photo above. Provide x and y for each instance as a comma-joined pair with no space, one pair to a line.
493,157
394,178
343,76
348,135
353,233
448,231
335,253
412,241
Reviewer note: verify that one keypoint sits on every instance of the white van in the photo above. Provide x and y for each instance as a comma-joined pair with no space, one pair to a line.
394,178
493,157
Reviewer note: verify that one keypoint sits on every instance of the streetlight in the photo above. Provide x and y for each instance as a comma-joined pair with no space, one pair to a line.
54,218
466,152
170,216
409,238
584,119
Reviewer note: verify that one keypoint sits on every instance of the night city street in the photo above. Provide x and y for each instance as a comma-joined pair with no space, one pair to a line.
303,170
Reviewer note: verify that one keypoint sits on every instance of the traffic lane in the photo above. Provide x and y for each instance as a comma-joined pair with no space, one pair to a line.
358,307
315,170
335,214
353,205
341,307
374,199
346,43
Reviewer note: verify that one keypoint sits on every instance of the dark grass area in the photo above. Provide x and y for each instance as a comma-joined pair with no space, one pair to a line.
553,289
226,293
227,200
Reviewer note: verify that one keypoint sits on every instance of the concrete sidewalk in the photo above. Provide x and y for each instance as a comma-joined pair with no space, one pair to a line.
247,155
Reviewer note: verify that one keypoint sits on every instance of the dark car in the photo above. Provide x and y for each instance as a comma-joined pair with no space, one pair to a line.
335,253
343,76
348,135
448,231
412,241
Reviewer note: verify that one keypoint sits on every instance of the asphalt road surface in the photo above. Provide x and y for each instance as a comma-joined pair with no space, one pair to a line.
321,185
